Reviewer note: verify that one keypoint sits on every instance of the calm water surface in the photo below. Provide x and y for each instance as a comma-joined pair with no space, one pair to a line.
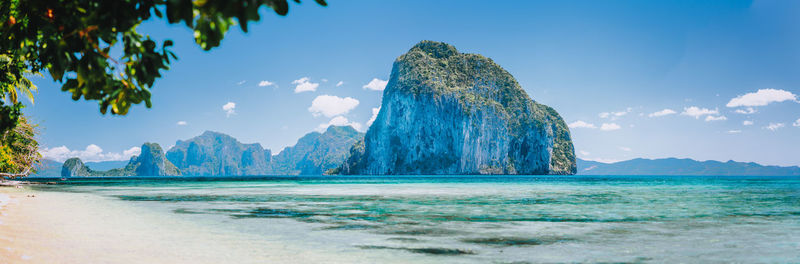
490,219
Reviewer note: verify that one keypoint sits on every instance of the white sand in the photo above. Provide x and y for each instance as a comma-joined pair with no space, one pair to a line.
55,227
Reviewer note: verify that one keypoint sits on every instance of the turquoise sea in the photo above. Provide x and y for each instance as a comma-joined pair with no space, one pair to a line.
486,219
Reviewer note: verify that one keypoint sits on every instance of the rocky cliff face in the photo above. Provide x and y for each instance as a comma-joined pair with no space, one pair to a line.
150,162
445,112
217,154
315,153
74,168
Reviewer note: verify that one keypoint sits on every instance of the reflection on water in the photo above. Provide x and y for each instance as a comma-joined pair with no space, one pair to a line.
496,219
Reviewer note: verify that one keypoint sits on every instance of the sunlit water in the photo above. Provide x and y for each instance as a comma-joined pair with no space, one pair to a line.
473,219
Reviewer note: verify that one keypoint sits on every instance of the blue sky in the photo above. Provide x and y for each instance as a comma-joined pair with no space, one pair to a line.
608,64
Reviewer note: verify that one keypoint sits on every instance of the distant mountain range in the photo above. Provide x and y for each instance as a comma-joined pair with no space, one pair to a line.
675,166
666,166
218,154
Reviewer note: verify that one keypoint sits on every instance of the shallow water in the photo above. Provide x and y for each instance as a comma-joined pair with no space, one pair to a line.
489,219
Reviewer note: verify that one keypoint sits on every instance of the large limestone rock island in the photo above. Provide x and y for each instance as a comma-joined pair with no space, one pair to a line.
445,112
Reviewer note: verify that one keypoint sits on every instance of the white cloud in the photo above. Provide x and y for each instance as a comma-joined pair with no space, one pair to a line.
796,123
181,123
376,85
340,83
609,126
134,151
762,97
92,153
697,112
734,131
747,123
304,85
584,153
324,80
715,118
581,124
624,148
746,111
615,115
329,105
240,83
339,121
774,126
663,113
229,108
375,112
265,83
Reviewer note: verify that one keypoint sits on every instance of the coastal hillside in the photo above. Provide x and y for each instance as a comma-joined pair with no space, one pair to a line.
446,112
150,162
315,153
218,154
674,166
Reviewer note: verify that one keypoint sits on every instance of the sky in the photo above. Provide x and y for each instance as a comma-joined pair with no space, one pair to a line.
708,80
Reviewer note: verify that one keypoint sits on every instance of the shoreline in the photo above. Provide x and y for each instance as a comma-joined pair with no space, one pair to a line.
56,227
13,246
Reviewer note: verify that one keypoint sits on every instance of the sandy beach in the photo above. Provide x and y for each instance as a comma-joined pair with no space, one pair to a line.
56,227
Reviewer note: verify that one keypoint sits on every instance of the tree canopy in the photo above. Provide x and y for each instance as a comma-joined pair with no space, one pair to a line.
19,150
71,40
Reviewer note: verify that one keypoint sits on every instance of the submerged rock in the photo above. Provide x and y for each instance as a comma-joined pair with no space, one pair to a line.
445,112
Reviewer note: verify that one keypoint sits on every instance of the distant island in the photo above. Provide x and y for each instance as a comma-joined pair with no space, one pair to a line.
639,166
675,166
